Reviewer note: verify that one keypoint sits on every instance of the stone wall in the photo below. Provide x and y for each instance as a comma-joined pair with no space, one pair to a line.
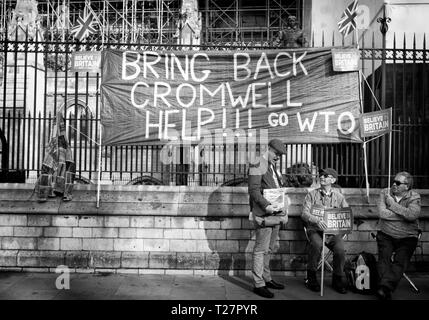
161,229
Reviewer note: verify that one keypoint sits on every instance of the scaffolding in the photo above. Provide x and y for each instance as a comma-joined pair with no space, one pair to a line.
155,21
249,20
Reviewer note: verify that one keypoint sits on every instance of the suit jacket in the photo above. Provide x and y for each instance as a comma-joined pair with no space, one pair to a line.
260,178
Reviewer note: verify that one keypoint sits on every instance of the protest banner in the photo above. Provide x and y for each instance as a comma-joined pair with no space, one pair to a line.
153,96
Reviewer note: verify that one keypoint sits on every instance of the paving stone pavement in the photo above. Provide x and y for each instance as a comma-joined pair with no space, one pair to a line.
42,286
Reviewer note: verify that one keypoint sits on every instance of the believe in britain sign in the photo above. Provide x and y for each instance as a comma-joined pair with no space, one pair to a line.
376,123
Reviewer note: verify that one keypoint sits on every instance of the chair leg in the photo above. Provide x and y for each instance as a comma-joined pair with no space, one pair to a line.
329,266
327,255
411,283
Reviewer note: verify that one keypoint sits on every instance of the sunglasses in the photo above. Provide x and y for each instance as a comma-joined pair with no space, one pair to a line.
398,183
324,175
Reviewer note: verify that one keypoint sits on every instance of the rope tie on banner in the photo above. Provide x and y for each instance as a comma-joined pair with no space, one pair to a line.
365,142
369,87
78,131
99,163
390,133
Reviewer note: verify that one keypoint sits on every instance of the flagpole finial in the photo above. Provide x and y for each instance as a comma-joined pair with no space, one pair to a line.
384,22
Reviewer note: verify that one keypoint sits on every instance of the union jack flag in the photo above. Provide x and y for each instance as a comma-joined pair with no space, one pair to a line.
84,26
347,22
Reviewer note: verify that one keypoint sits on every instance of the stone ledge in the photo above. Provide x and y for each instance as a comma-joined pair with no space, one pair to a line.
181,189
168,201
195,272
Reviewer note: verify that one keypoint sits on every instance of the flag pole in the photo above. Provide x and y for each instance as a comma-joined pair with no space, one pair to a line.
99,166
390,152
323,264
100,128
384,28
365,157
102,25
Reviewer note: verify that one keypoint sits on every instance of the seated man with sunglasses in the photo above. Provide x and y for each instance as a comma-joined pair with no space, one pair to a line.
327,197
398,209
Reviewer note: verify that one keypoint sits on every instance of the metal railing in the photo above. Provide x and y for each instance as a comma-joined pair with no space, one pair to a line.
37,83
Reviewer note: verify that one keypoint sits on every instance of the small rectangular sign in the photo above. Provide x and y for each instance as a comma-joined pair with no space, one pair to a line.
86,61
338,220
376,123
345,59
317,211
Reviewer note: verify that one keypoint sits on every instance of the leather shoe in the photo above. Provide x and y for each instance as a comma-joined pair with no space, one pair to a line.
337,284
274,285
263,292
339,288
312,285
311,281
383,293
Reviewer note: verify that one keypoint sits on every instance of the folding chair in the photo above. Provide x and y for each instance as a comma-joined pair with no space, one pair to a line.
419,245
328,254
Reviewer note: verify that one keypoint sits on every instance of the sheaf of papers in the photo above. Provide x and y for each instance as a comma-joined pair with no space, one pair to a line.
276,197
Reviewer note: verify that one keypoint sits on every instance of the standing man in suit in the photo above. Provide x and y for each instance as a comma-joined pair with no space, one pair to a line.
262,176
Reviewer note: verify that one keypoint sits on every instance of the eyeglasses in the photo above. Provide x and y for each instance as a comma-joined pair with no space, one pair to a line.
277,154
398,183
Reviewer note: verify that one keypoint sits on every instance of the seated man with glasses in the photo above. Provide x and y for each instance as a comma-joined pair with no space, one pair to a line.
398,209
327,197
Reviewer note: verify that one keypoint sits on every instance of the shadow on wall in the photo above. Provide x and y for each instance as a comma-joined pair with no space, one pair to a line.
230,248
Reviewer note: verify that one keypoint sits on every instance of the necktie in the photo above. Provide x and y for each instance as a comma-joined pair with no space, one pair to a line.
275,176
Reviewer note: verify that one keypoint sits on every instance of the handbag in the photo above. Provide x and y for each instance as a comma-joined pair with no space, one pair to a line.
271,220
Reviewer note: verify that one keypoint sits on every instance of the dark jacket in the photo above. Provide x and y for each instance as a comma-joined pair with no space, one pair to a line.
261,178
318,197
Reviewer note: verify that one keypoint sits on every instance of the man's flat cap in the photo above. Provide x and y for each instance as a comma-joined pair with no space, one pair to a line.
330,171
278,145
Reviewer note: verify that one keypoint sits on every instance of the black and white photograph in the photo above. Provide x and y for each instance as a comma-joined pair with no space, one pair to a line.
214,158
